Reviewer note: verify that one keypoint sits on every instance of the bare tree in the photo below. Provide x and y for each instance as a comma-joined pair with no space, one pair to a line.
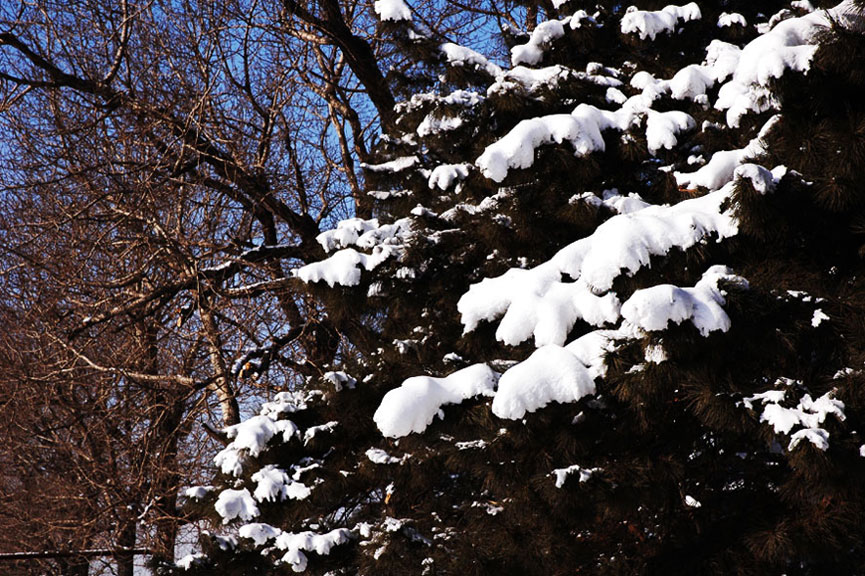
164,166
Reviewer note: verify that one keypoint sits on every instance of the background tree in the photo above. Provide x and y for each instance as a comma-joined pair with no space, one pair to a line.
164,166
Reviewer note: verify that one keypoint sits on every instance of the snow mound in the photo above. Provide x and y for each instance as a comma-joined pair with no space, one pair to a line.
413,406
457,55
582,129
787,46
562,474
533,51
344,266
274,485
654,308
721,168
296,544
649,24
550,374
808,415
538,302
233,504
394,10
249,438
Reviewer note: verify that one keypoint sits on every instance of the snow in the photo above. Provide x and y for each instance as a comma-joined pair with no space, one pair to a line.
233,504
649,24
313,431
274,485
198,492
533,51
190,560
582,129
295,544
550,374
412,406
692,502
392,10
592,348
249,438
809,414
691,82
458,55
471,445
395,165
379,456
340,380
537,301
258,532
346,233
344,266
818,317
445,175
653,309
787,46
613,200
721,168
662,128
562,474
762,180
816,436
728,19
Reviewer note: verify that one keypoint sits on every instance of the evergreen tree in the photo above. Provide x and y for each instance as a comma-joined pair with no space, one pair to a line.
631,264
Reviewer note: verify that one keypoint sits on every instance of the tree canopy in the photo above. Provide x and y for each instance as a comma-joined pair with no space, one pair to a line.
525,288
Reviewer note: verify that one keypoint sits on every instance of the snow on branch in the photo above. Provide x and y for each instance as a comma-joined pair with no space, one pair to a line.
649,24
394,10
807,416
413,406
550,374
654,308
539,302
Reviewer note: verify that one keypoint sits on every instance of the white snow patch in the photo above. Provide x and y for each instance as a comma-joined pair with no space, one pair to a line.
533,51
198,492
190,560
808,414
258,532
562,474
233,504
394,10
787,46
296,544
662,128
721,168
581,128
461,56
413,406
728,19
443,176
538,302
340,380
344,266
379,456
818,317
649,24
274,485
550,374
652,309
249,438
764,181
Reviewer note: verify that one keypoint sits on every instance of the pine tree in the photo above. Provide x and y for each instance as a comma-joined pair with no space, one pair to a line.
643,241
